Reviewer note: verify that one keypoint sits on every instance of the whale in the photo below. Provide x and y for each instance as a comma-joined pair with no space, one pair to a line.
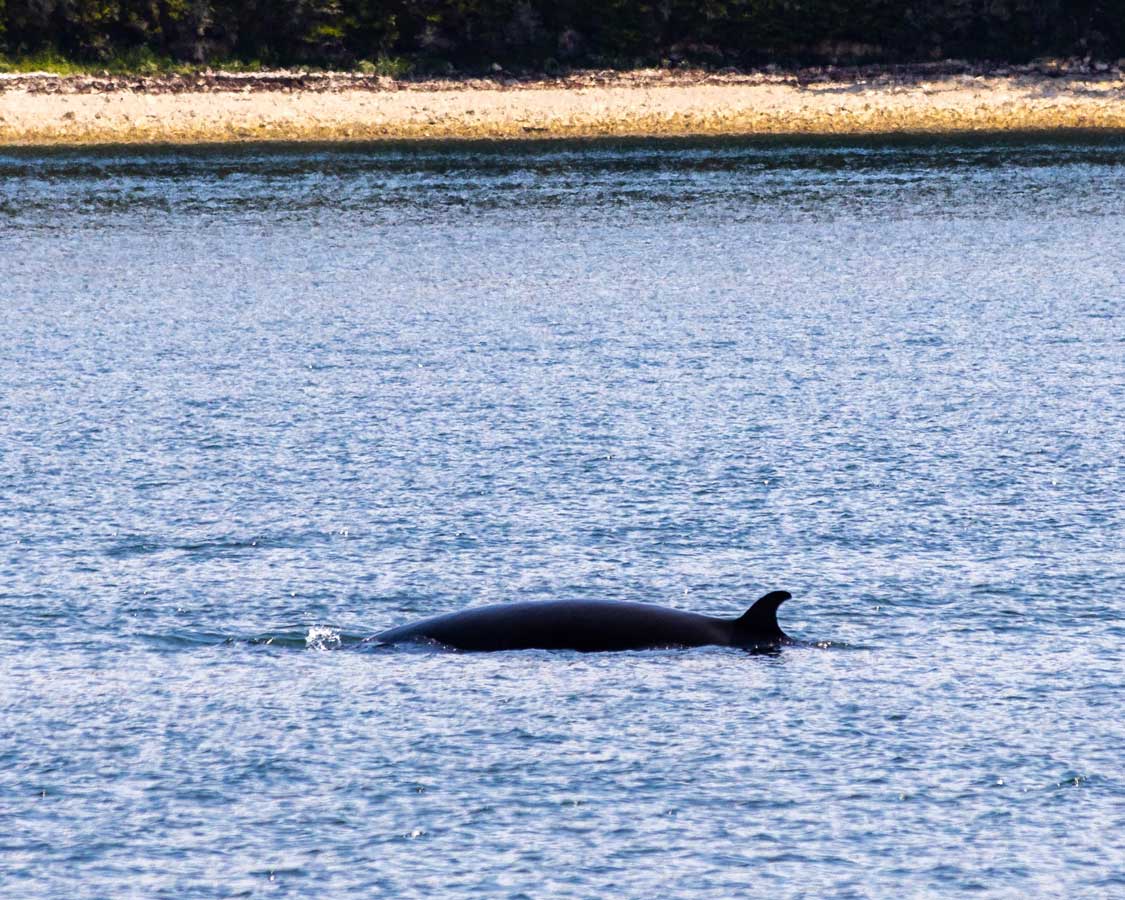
590,626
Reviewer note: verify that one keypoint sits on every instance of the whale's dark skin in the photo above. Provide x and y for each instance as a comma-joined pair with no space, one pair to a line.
593,625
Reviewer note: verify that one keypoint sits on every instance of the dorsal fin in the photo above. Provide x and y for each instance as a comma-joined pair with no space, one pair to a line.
760,620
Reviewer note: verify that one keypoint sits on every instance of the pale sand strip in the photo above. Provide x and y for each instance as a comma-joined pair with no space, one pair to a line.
943,105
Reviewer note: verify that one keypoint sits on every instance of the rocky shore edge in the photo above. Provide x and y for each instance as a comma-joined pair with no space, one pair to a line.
217,106
209,80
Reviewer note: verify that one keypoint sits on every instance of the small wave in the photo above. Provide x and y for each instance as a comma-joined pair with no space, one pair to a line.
181,640
140,545
307,637
323,638
133,546
1074,779
831,645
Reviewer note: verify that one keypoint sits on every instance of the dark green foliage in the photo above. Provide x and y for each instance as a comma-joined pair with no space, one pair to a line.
472,34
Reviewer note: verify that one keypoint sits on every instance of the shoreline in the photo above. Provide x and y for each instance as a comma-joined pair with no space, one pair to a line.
218,107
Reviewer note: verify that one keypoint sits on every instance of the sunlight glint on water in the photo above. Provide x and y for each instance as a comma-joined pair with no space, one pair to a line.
261,403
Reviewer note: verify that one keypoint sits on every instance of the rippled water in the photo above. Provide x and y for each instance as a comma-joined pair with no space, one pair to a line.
256,405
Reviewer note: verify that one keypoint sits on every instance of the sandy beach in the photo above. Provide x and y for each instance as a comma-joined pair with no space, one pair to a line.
294,106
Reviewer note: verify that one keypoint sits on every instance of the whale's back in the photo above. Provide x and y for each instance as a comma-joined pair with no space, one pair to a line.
584,625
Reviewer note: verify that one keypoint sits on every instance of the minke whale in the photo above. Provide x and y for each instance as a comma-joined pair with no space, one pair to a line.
592,626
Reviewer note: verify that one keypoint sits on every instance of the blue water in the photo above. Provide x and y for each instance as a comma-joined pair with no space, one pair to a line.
256,405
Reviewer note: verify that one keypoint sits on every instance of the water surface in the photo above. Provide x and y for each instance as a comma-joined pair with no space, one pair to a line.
256,404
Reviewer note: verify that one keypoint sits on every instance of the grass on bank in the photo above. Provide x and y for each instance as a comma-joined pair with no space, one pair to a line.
145,62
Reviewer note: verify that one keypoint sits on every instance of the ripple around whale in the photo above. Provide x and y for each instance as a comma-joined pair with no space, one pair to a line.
291,637
326,637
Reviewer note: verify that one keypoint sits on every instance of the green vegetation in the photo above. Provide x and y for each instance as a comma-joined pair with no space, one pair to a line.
395,37
134,61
